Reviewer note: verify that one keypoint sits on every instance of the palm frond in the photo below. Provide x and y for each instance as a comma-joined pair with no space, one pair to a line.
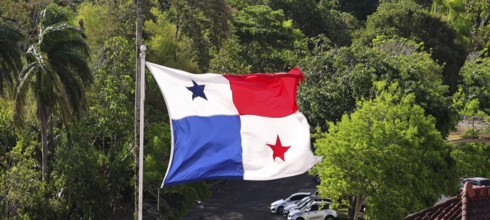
60,92
75,62
10,55
60,28
58,34
74,89
61,60
75,45
22,88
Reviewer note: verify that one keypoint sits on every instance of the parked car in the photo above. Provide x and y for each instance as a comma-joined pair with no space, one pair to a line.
278,206
475,181
316,210
305,202
297,205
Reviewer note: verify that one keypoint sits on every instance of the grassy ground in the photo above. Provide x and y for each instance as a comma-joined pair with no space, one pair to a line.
343,214
454,137
483,129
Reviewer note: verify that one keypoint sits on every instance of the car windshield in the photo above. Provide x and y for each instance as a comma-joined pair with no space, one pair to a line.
315,206
485,182
305,204
303,201
304,207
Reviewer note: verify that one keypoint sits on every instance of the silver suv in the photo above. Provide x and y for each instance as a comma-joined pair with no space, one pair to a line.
305,202
316,210
278,206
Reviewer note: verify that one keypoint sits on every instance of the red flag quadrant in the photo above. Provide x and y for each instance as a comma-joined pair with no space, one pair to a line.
234,126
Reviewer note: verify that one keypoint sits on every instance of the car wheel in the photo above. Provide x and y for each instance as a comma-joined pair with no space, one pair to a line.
329,217
300,218
280,210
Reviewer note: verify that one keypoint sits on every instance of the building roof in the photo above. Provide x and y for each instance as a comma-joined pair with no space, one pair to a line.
473,203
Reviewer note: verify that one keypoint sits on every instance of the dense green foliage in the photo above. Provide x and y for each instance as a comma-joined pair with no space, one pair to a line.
67,96
471,159
10,56
476,82
56,71
409,20
385,152
336,78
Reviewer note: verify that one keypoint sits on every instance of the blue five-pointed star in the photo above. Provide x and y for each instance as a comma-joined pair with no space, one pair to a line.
197,90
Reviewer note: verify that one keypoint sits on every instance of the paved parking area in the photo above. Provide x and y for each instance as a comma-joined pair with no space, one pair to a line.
249,200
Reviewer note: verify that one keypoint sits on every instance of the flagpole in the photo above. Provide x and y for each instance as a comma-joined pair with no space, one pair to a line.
137,95
141,134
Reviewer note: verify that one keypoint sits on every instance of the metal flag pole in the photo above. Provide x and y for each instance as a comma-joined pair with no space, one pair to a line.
142,129
137,95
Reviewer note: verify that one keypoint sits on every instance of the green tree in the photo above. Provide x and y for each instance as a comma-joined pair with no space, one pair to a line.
469,109
472,159
454,12
315,19
102,20
25,15
269,42
163,48
24,195
56,71
360,9
80,181
94,156
409,20
229,59
336,78
472,100
469,19
478,12
476,82
386,152
10,55
7,134
205,23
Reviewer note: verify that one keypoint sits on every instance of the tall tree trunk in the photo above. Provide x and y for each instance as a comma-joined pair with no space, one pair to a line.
43,117
357,208
51,137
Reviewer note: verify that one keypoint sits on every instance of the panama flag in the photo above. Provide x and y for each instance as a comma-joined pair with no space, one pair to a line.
234,126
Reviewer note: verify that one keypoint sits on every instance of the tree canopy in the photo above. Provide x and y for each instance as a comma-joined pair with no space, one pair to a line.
337,78
66,60
385,152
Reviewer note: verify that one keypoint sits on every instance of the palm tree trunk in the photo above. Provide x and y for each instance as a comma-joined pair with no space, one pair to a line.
44,142
51,137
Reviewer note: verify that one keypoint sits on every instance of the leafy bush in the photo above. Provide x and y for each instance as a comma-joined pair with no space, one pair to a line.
470,133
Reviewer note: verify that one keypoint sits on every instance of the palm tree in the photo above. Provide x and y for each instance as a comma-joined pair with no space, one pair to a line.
57,72
10,55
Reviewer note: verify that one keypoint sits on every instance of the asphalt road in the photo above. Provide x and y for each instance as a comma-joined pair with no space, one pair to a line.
249,200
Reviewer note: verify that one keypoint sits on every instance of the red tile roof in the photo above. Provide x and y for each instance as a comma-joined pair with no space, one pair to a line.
473,203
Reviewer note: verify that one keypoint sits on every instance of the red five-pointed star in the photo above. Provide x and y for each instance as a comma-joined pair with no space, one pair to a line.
278,149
